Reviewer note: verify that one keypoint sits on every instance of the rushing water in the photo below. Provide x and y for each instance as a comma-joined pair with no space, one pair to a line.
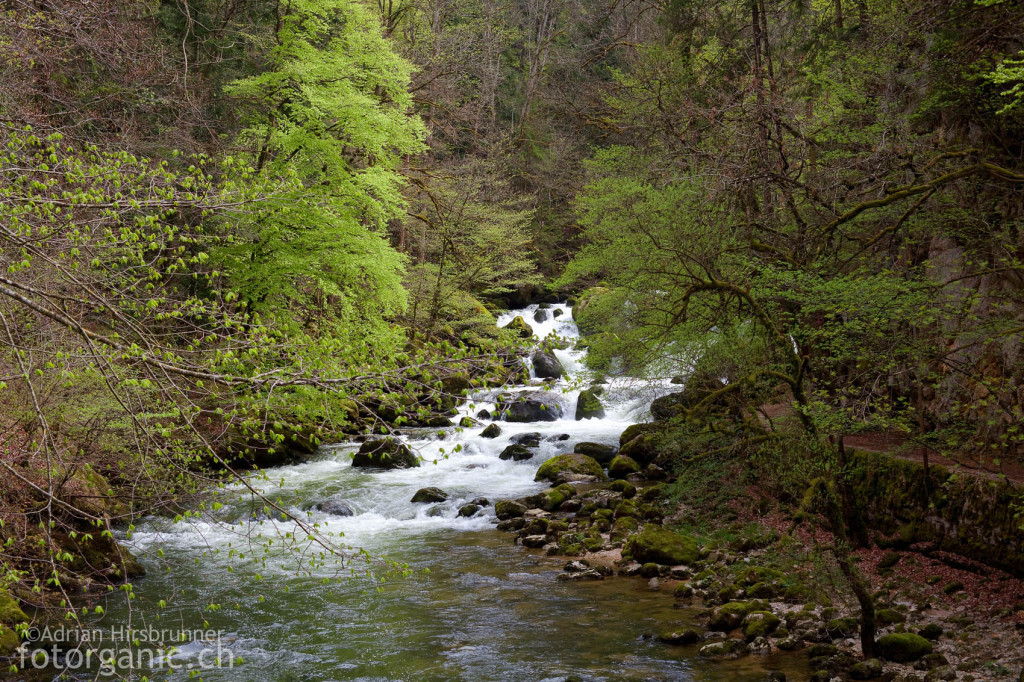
486,610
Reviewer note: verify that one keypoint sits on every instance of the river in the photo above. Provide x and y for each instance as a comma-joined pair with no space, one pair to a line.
475,606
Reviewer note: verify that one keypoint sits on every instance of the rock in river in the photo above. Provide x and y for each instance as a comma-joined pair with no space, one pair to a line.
546,365
528,440
385,454
517,453
429,495
535,406
552,469
588,405
602,453
335,508
519,327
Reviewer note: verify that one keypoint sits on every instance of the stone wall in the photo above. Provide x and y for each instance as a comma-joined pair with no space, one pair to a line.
968,515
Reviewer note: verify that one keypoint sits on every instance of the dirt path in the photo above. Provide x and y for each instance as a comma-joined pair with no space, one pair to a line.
898,445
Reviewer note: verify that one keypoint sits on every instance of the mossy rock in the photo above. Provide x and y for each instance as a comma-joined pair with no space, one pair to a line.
546,365
634,430
627,489
623,527
509,509
385,454
622,466
9,641
662,546
589,406
889,560
762,591
428,495
842,627
469,510
729,616
642,449
516,453
759,624
492,431
520,328
903,647
90,492
889,617
10,613
456,384
759,574
682,637
350,408
683,591
730,648
931,631
602,453
870,669
552,469
555,497
822,650
626,508
653,492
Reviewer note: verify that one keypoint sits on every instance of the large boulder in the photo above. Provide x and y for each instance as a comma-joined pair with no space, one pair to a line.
335,508
385,454
529,440
553,469
602,453
520,328
902,647
546,365
429,495
509,509
698,387
634,430
655,544
536,406
668,406
643,447
516,453
729,616
540,316
759,624
588,405
622,466
492,431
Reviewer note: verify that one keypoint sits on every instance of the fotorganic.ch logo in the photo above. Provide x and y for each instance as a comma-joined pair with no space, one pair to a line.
119,650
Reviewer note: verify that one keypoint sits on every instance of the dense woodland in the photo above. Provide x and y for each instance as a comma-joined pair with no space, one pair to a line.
233,228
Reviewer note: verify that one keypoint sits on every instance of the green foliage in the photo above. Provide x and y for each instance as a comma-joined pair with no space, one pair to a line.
330,114
1009,73
475,242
